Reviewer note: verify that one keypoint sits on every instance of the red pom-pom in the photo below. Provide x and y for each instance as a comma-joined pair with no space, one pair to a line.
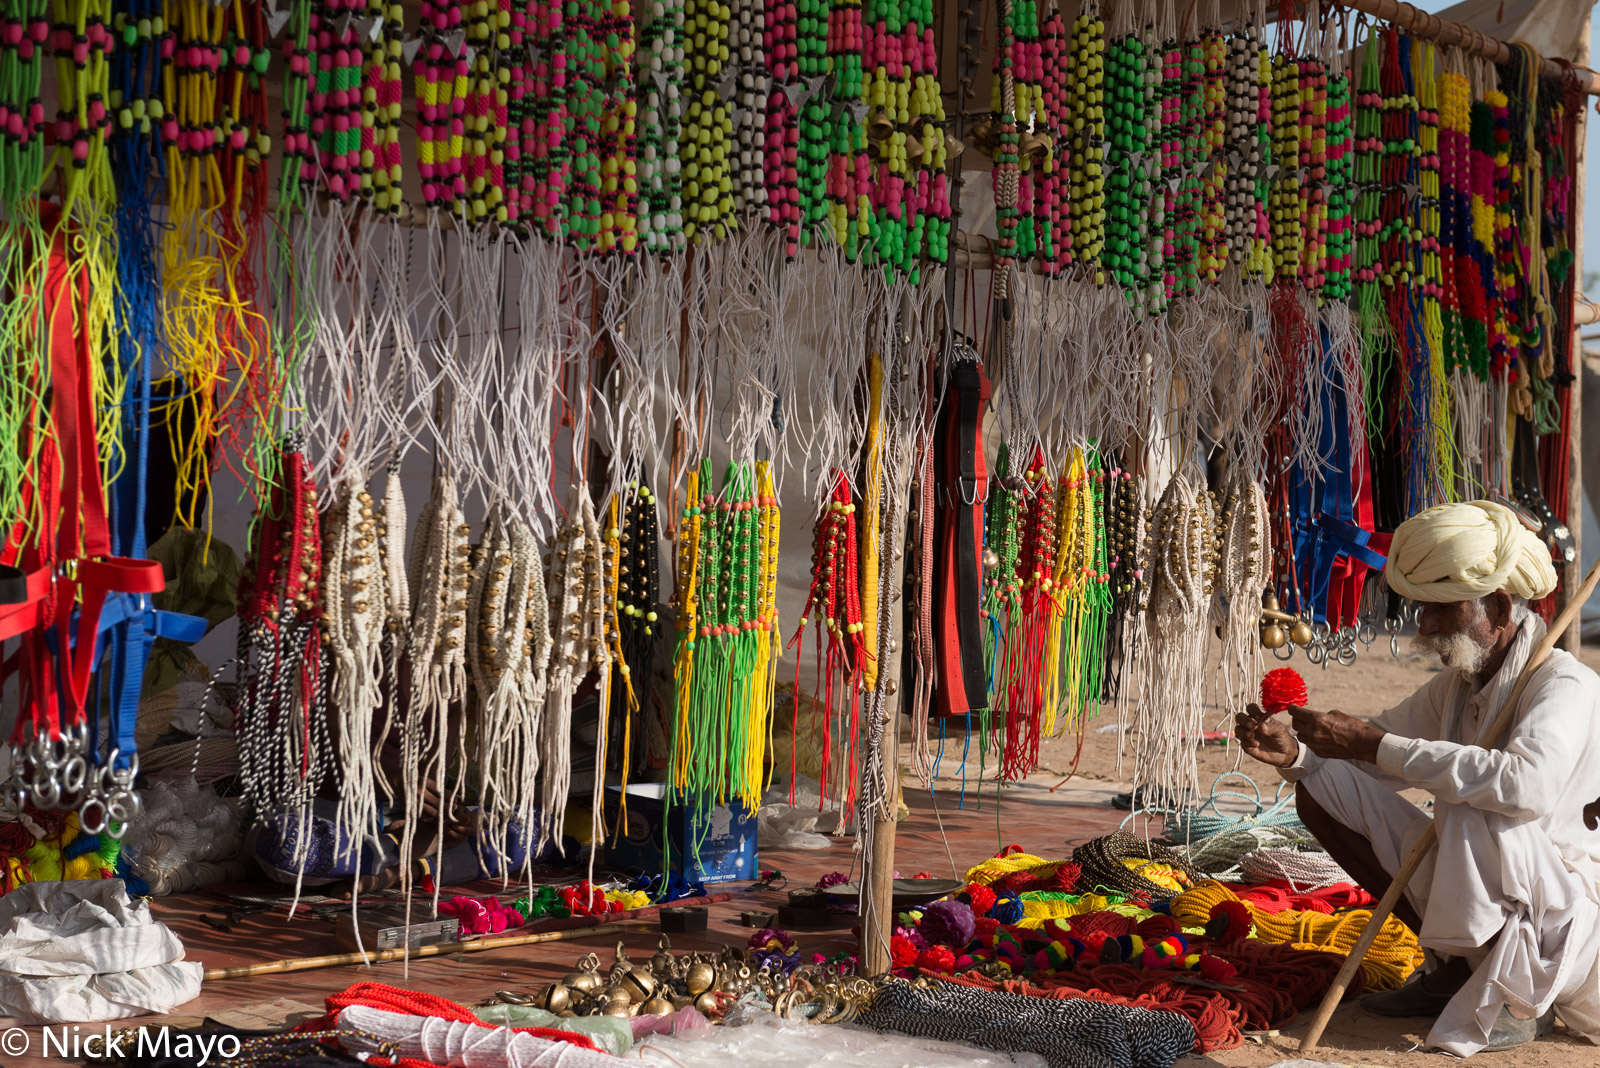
1093,943
1064,879
983,926
902,953
1230,922
937,959
963,963
1216,970
1282,687
981,898
1154,928
1018,882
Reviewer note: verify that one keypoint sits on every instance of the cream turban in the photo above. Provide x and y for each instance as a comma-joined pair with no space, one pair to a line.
1460,552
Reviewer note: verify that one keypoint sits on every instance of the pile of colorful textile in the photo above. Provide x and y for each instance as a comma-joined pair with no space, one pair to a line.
1253,956
46,846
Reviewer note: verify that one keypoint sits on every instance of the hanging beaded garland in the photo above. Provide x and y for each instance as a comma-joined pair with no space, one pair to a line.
1087,153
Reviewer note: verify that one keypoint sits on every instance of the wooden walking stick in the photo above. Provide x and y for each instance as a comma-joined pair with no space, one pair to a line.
336,960
1402,878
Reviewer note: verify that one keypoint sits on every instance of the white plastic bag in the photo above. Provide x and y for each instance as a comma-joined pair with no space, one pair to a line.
780,825
80,951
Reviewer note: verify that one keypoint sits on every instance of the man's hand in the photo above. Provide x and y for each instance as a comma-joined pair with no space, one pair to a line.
1264,738
1336,736
1591,815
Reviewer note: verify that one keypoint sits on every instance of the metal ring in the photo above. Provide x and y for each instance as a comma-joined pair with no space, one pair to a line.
74,775
1316,652
1367,634
45,793
1394,646
116,813
1284,651
1346,655
91,827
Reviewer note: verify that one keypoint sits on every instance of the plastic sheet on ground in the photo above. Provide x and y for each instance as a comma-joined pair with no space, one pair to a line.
780,825
761,1038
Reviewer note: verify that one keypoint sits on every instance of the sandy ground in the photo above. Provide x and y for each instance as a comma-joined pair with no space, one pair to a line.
1355,1037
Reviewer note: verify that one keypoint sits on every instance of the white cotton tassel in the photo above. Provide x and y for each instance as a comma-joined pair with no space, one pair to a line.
458,1044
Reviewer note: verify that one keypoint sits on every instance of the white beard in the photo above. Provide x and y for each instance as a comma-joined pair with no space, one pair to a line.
1457,652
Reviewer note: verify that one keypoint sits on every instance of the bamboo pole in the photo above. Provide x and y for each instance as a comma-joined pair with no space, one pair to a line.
1419,23
1578,166
1391,897
336,960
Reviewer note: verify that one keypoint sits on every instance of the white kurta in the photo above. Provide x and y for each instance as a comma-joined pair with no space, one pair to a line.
1514,858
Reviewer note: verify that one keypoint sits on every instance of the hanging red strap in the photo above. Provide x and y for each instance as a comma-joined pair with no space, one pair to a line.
72,566
962,684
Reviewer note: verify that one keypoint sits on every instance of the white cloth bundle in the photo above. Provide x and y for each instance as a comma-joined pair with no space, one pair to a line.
460,1045
79,951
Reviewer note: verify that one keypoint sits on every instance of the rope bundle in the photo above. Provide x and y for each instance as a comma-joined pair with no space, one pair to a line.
1394,955
1121,861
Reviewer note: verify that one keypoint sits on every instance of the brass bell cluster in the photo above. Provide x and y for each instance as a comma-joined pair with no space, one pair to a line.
1279,628
660,986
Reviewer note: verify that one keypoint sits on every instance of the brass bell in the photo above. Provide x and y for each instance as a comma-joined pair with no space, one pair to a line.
701,976
639,984
662,963
587,979
952,147
879,127
656,1006
707,1004
1269,601
984,135
618,1007
1273,637
555,997
1300,633
914,147
1035,146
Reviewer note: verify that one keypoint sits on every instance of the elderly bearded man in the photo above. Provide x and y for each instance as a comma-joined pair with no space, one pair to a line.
1508,905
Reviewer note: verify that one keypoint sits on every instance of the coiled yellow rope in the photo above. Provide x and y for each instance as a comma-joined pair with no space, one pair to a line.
1394,955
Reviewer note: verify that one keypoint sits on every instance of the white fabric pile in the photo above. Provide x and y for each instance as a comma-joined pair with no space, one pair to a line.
80,951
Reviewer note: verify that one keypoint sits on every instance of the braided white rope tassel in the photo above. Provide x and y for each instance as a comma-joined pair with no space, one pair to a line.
599,616
566,671
533,676
436,650
1244,570
1168,720
396,621
354,612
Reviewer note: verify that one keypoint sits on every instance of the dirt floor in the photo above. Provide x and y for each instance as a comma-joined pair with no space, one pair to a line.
944,832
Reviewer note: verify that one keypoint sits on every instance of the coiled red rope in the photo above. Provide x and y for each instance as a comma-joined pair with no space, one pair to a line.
1274,983
415,1003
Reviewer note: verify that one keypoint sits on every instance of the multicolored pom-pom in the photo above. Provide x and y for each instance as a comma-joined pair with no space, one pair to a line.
1166,953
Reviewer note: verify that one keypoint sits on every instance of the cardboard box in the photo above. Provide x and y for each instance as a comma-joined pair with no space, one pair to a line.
726,836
